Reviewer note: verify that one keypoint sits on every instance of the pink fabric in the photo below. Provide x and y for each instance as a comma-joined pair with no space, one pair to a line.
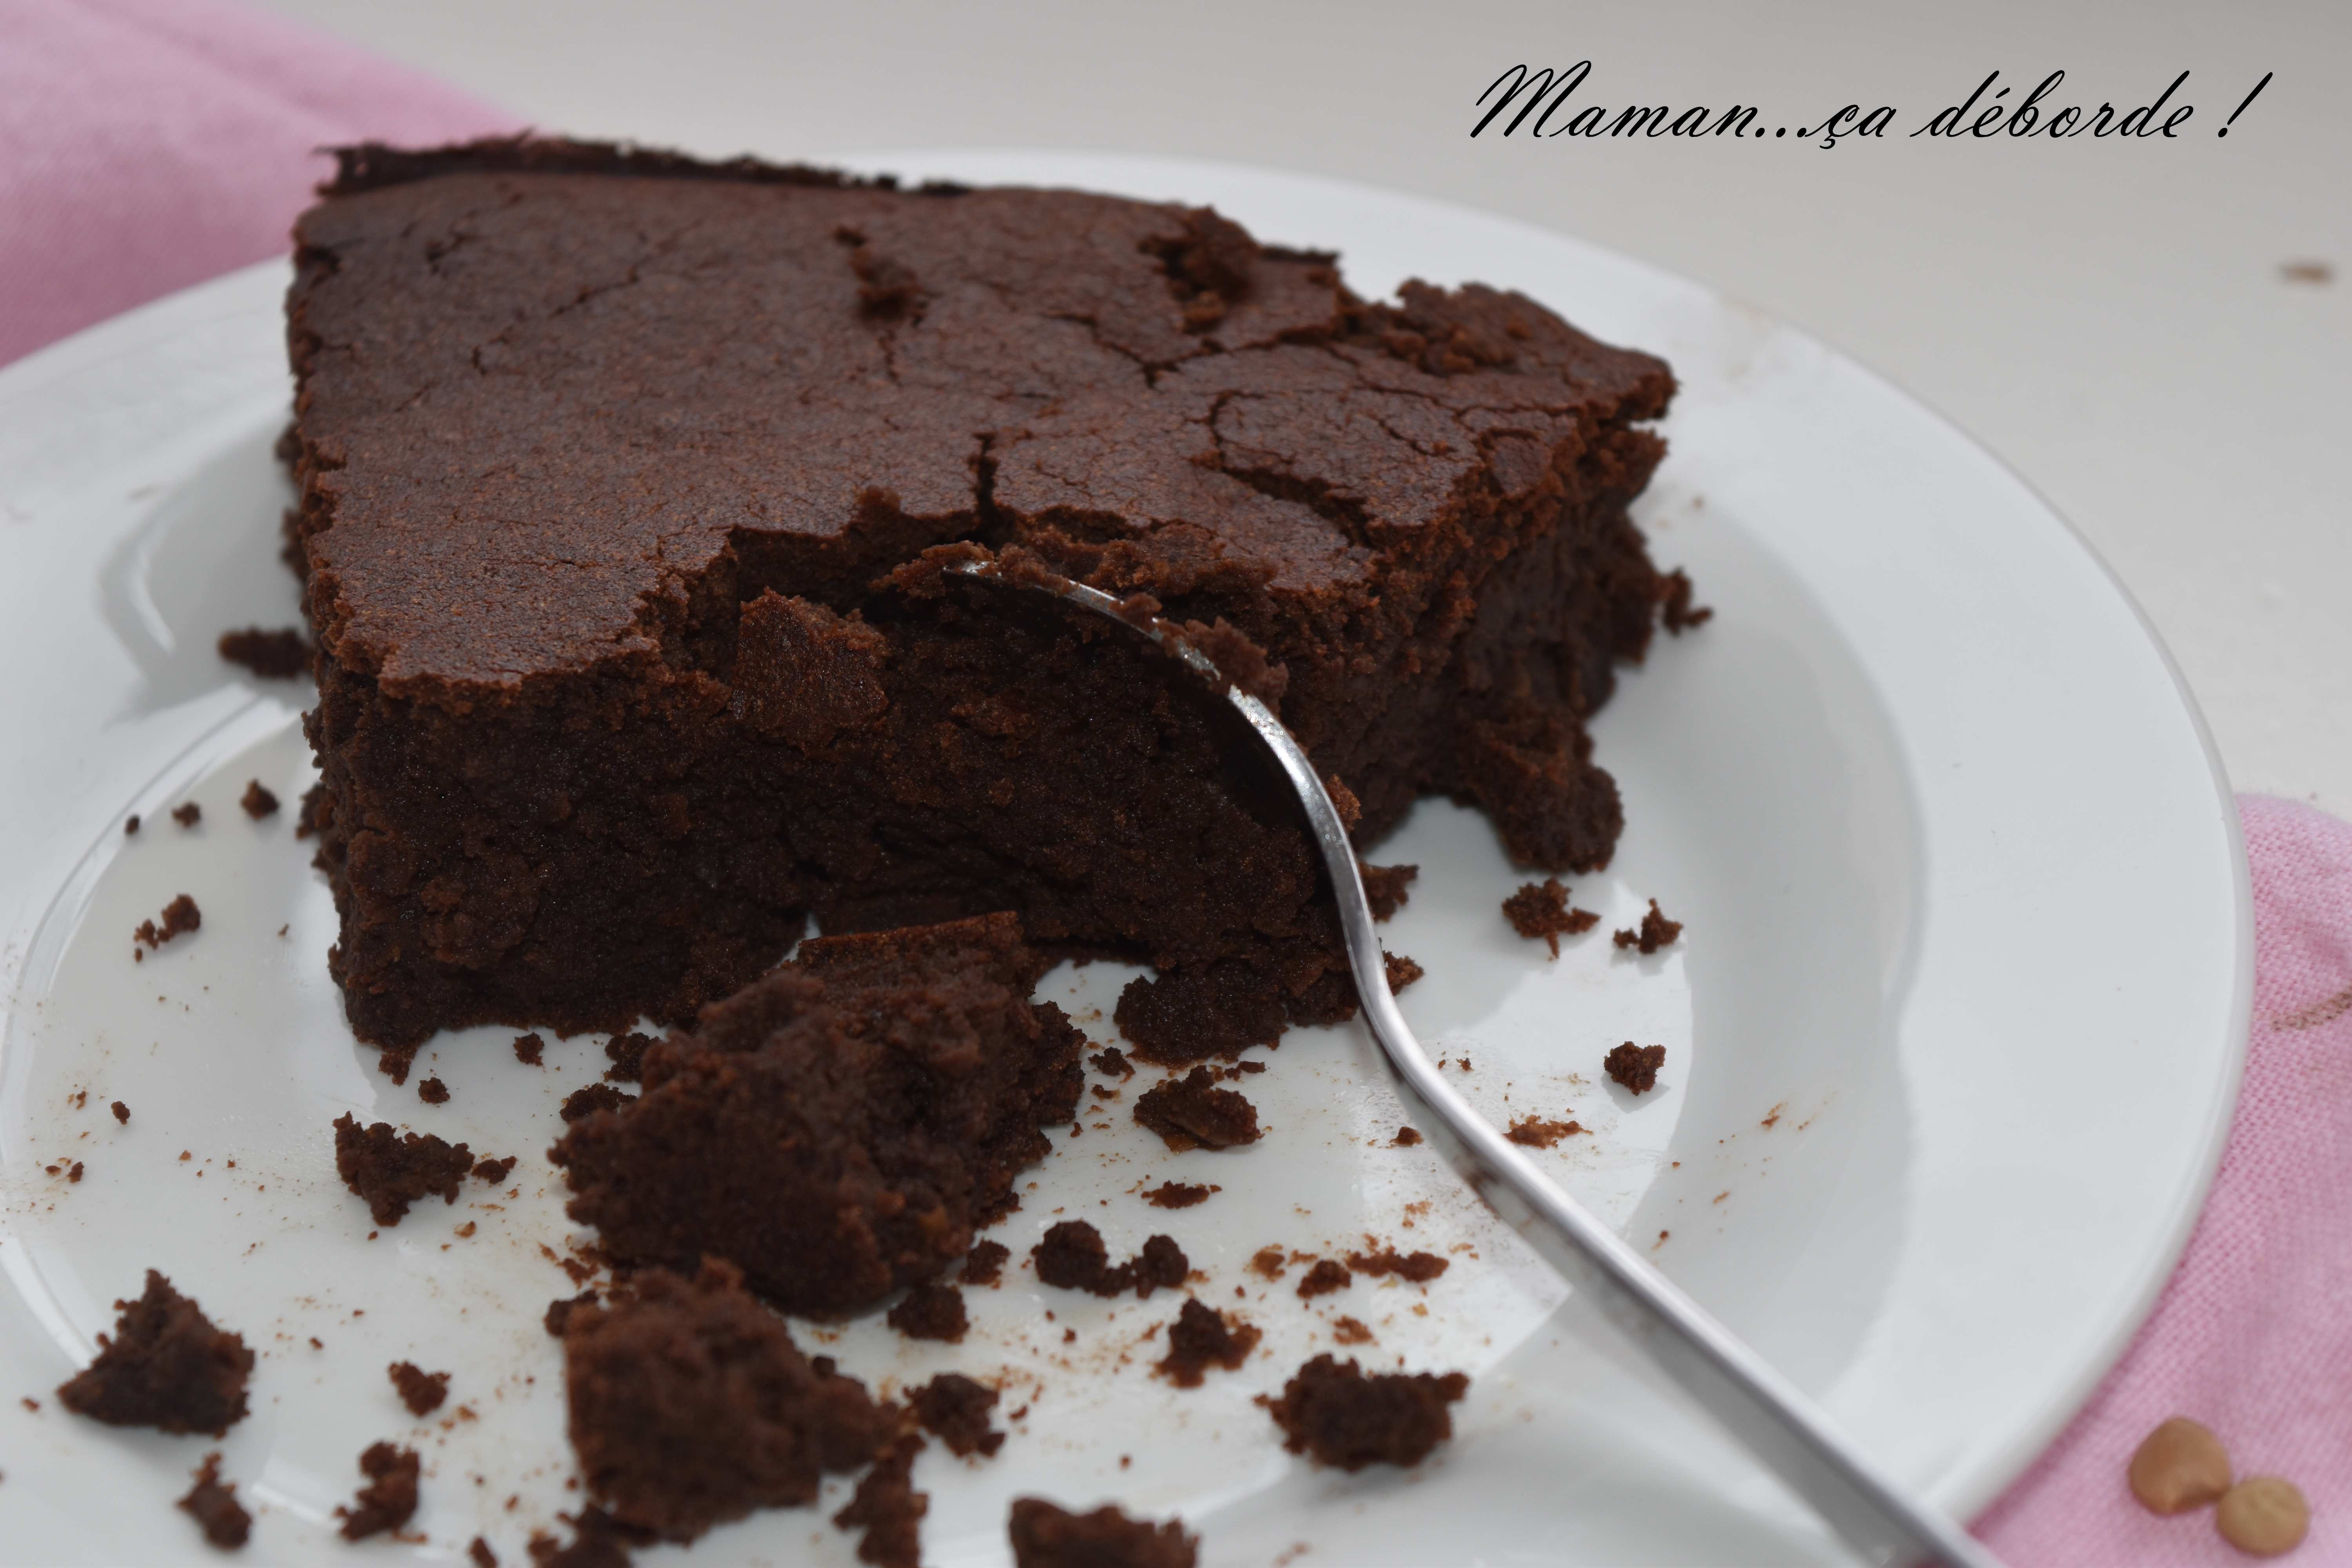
149,145
2254,1335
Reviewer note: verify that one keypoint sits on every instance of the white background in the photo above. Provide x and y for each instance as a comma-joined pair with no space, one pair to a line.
2114,320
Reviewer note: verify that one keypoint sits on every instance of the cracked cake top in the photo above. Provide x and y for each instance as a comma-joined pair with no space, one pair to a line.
552,393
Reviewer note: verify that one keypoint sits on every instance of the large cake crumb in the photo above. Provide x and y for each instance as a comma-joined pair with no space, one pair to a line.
392,1171
1201,1337
1537,1133
1177,1195
954,1409
1046,1536
1634,1066
689,1405
1192,1112
421,1391
984,1263
1332,1411
1654,932
627,1052
931,1312
840,1128
273,656
1541,910
888,1509
180,917
165,1366
389,1498
1420,1268
213,1506
1072,1255
1328,1275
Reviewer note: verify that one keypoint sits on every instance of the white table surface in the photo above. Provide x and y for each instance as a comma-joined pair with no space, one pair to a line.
2117,322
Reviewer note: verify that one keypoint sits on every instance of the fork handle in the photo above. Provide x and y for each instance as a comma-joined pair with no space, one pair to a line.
1763,1410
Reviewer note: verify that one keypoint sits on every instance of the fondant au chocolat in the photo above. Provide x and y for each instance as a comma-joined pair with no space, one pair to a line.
624,485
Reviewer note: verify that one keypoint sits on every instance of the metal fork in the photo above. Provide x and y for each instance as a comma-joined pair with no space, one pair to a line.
1764,1411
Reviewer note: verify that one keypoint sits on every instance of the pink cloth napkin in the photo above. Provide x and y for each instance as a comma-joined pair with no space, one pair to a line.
2254,1335
149,145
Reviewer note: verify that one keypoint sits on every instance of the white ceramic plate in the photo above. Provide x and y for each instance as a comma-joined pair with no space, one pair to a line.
1953,1034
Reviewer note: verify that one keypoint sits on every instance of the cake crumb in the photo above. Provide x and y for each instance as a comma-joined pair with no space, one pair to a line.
592,1097
1332,1411
1190,1112
1534,1133
421,1391
215,1508
1349,1331
74,1174
1384,887
131,824
954,1409
888,1509
1407,1137
180,917
165,1366
1269,1262
1634,1066
627,1054
390,1171
479,1552
1420,1268
1112,1059
984,1263
931,1312
1676,611
494,1171
432,1091
187,813
1400,971
1177,1195
121,1112
1072,1257
1328,1275
1541,910
1654,932
256,801
1046,1536
389,1500
1201,1337
273,656
527,1049
689,1405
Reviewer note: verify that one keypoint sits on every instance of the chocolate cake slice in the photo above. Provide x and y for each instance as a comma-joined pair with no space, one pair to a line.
618,476
839,1128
